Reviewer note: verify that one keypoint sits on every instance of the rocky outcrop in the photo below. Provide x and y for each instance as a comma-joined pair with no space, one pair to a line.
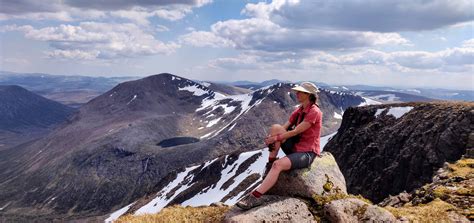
322,190
279,209
380,154
322,177
453,184
396,201
354,210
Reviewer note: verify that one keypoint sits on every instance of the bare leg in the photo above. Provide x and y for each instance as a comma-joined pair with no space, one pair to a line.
272,177
275,130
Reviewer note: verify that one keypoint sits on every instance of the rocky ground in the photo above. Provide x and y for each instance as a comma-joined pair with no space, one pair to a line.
447,199
449,195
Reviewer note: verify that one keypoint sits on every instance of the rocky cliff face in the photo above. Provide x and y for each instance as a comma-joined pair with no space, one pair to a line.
385,149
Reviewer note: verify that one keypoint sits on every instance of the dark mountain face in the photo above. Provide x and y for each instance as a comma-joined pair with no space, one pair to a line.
109,154
380,154
20,108
25,115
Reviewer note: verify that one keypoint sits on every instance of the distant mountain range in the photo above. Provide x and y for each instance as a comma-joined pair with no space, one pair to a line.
405,95
77,90
69,90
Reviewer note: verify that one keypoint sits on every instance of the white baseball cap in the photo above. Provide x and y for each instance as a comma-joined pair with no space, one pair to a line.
307,87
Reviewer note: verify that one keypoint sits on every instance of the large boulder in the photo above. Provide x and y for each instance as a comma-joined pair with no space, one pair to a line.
321,178
278,209
355,210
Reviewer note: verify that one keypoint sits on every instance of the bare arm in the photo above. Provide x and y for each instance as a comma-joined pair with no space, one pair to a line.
303,126
299,129
286,125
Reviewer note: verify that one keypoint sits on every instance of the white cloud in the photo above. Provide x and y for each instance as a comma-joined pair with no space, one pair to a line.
128,4
73,54
173,14
242,62
136,11
264,35
459,56
91,40
449,60
468,43
371,15
205,39
417,59
16,61
136,15
161,28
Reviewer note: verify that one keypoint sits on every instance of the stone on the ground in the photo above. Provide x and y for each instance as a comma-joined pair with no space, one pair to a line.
355,210
278,209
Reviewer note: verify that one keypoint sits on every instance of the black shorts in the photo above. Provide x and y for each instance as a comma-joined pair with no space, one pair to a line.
298,160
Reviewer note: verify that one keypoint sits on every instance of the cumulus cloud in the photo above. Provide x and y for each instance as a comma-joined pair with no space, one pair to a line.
242,62
138,11
29,6
412,60
205,39
128,4
91,40
449,60
468,43
372,15
264,35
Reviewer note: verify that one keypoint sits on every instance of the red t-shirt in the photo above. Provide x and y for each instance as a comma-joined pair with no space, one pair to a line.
310,138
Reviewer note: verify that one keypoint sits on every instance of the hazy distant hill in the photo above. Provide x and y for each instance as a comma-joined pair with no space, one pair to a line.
69,90
25,115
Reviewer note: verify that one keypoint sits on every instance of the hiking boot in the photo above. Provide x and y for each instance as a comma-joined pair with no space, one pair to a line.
250,201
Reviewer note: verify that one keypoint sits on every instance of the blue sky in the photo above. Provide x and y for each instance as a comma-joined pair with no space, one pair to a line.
399,43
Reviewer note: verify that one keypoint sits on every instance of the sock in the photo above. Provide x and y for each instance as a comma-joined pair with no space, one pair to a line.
271,159
256,194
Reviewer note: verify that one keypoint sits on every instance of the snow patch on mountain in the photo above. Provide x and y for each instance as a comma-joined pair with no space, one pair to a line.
213,122
379,111
206,84
161,201
134,97
114,216
396,112
244,100
369,101
194,89
386,97
216,192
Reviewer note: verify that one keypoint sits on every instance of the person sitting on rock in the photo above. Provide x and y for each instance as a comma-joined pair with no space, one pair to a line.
299,138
